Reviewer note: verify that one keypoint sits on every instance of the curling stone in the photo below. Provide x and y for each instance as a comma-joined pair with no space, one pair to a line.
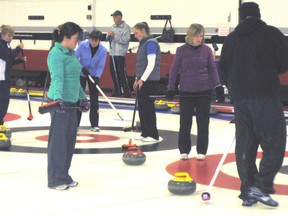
5,143
170,104
176,108
213,111
138,125
160,105
12,92
134,156
182,184
6,131
20,93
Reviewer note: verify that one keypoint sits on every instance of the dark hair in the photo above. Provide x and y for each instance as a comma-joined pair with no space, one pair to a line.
67,29
143,25
95,35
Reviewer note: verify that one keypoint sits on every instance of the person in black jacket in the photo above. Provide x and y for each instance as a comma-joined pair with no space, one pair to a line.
252,57
8,58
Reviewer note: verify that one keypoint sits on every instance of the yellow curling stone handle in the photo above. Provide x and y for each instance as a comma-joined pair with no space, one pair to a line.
3,137
182,177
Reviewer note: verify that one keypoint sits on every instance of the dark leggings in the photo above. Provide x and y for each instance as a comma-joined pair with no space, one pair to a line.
94,109
146,109
4,99
259,122
201,107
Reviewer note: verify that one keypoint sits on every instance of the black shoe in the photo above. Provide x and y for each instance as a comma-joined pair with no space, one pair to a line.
249,202
257,194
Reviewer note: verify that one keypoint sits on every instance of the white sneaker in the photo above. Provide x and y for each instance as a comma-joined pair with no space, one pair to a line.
73,184
184,156
200,157
149,139
61,187
139,137
95,129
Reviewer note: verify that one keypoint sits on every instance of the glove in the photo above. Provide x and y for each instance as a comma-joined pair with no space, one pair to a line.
85,71
220,94
170,95
96,80
61,106
84,105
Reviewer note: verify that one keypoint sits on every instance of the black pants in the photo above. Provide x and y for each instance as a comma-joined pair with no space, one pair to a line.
94,103
201,107
259,122
146,109
61,144
119,77
4,99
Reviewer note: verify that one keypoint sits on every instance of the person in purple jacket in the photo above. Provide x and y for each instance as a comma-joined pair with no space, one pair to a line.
194,62
92,57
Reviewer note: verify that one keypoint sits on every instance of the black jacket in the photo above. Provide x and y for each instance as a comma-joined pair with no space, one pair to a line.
252,57
9,58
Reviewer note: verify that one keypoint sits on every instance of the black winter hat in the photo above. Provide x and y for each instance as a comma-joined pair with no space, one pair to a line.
249,9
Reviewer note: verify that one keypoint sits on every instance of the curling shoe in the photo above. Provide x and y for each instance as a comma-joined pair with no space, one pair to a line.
73,184
149,139
61,187
257,194
200,157
184,156
249,202
139,138
95,129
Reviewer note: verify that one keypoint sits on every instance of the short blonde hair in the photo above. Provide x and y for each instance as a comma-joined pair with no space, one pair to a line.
193,30
7,29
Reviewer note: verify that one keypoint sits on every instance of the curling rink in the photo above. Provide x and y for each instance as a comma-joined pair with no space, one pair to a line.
107,186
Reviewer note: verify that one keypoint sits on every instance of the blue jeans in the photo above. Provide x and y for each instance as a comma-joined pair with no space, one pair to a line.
61,145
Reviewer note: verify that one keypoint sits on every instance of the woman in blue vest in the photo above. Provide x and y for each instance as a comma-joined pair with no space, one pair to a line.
147,79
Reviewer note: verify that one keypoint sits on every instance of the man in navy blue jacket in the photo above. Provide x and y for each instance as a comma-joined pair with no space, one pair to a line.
252,57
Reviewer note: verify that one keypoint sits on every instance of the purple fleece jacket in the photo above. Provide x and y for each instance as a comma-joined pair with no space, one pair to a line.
197,69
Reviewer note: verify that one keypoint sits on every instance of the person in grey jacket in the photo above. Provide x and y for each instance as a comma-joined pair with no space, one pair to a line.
119,37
